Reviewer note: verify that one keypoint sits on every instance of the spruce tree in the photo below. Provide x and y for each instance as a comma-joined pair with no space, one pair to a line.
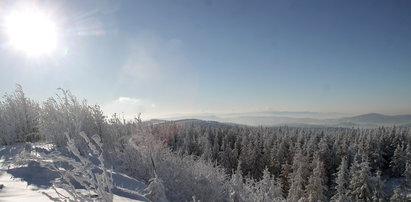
297,186
360,188
298,177
342,181
267,188
378,188
316,188
407,171
284,179
397,163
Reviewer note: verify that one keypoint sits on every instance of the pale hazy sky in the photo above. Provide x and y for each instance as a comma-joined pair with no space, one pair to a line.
218,56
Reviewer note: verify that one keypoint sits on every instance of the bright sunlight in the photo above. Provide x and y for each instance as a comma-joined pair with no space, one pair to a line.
31,31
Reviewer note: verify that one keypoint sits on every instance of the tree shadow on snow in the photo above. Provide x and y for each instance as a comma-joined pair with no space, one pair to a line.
34,174
128,183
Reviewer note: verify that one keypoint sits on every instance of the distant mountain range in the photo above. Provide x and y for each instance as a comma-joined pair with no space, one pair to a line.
371,120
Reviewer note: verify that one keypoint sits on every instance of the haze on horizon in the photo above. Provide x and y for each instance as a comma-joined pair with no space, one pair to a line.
218,57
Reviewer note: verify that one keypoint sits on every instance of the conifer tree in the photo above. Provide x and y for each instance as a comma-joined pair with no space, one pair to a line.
360,188
257,160
378,188
298,178
237,185
284,179
397,163
267,188
407,171
297,186
316,188
342,181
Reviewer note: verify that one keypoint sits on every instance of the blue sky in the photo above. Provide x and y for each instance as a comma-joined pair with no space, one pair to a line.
223,56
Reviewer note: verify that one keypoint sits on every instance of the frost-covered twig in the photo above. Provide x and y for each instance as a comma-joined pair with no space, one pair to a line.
84,167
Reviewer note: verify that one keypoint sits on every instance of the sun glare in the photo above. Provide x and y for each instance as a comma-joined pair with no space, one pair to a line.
31,31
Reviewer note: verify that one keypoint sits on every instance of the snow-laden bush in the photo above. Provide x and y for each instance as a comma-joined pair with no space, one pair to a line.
66,115
156,190
84,177
19,118
184,177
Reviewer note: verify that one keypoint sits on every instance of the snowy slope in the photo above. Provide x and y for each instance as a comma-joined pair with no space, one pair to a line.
29,182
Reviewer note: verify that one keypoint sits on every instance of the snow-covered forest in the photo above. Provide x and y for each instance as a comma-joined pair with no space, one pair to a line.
329,164
198,160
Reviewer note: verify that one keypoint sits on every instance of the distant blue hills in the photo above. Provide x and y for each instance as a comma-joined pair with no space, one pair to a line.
370,120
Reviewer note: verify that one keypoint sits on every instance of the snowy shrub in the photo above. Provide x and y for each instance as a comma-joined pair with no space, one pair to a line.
19,118
156,190
190,177
83,177
4,136
135,163
66,115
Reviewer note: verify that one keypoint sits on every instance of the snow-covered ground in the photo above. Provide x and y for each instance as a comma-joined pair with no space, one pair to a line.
31,181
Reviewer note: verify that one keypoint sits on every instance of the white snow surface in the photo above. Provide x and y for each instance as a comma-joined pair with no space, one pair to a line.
29,182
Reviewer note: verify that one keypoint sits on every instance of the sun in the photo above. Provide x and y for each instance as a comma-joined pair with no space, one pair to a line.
31,31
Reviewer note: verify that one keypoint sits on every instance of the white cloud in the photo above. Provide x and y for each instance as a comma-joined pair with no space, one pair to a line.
123,100
129,107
